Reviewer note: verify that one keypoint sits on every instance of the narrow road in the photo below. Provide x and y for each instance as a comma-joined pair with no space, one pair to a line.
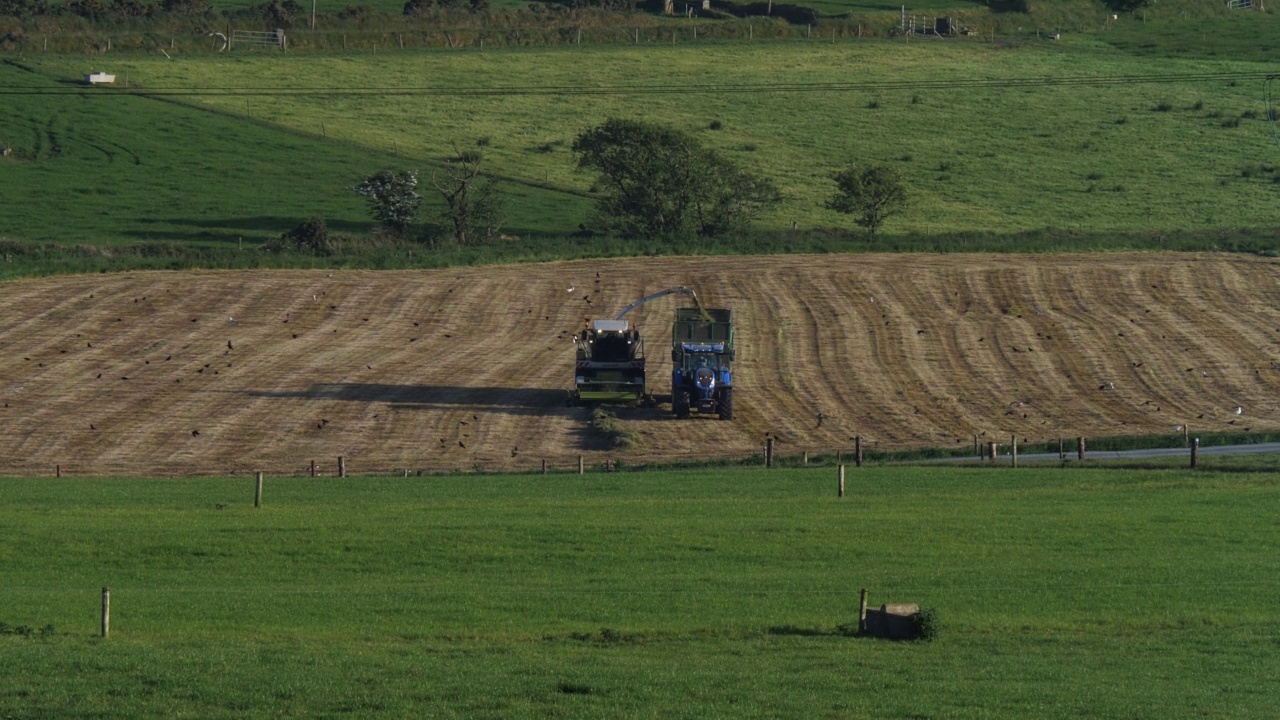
1070,454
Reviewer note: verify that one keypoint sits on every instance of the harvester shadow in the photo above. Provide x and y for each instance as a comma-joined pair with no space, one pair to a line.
540,402
512,401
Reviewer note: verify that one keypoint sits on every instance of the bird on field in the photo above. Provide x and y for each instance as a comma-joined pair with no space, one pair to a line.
92,426
231,321
230,346
195,433
462,445
1238,410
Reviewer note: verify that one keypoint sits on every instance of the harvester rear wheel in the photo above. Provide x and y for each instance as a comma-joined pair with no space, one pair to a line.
680,403
725,406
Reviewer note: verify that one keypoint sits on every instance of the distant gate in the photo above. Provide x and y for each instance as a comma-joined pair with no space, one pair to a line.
257,38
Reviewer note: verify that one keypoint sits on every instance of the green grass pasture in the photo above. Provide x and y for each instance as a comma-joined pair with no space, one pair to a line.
715,593
985,148
94,169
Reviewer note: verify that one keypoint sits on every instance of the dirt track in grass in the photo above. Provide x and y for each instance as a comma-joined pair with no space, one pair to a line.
220,372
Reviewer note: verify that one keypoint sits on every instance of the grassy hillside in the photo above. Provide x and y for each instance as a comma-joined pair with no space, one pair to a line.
984,146
715,594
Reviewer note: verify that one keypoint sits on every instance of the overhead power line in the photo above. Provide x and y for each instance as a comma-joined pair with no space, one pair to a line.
664,89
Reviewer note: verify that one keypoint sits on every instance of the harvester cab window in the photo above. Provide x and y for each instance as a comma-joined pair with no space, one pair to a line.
612,348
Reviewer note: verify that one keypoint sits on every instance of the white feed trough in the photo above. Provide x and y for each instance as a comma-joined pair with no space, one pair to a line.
98,77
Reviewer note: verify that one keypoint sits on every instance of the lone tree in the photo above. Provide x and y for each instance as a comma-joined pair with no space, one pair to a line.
656,180
393,198
872,194
472,204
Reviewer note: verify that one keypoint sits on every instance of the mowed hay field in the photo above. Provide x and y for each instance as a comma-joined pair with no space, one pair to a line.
146,373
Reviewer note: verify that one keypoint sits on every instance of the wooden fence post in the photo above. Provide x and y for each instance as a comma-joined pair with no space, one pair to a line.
57,470
544,466
857,451
1080,448
840,487
342,466
106,611
1195,453
768,453
313,468
1013,449
582,468
862,612
1062,455
991,452
257,490
805,457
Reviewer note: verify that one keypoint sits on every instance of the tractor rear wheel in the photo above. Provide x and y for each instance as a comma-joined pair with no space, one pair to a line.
725,406
680,403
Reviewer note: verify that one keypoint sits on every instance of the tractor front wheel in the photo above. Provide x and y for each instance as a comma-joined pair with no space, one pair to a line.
725,406
680,403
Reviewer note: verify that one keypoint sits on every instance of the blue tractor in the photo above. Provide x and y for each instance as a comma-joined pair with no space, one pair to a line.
702,358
